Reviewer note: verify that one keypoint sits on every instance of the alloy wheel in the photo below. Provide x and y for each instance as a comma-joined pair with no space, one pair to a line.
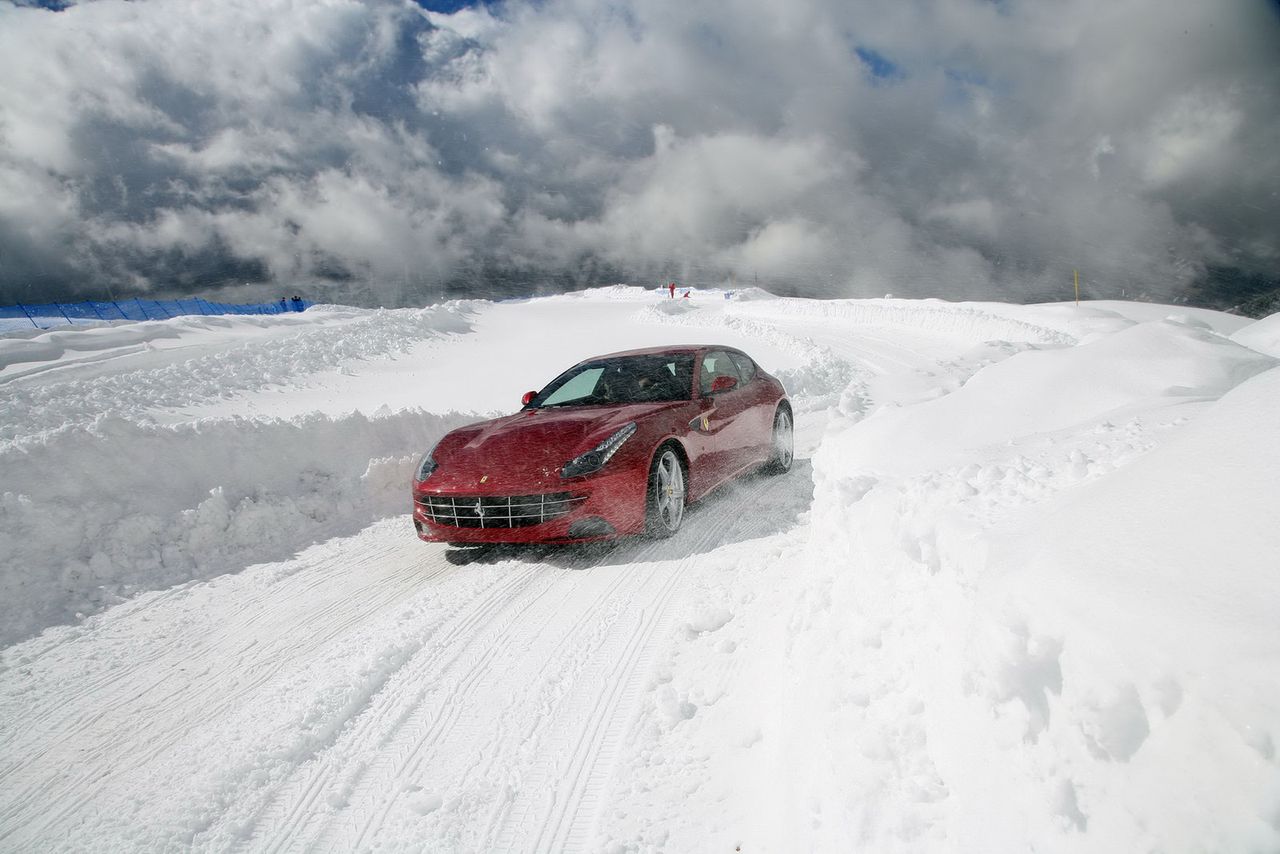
667,494
783,442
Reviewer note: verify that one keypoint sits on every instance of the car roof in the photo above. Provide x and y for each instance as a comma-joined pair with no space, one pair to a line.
661,351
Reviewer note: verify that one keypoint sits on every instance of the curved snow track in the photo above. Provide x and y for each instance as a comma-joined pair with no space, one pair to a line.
223,635
372,689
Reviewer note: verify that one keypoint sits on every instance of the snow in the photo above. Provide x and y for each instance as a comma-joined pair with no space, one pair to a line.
1262,335
1019,590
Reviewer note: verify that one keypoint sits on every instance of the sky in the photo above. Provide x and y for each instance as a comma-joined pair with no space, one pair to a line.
391,153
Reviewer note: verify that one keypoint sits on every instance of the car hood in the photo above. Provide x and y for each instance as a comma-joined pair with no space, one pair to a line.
526,451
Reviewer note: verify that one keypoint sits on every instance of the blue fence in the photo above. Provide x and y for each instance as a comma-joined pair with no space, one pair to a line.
49,315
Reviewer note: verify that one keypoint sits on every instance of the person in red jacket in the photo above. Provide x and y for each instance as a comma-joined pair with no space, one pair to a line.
673,290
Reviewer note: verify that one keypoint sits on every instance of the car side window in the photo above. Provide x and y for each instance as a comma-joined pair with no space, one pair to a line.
746,367
717,363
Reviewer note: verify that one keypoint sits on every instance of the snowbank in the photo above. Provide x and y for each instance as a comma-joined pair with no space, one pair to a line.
1262,335
1158,587
114,508
1040,610
1039,392
972,323
98,501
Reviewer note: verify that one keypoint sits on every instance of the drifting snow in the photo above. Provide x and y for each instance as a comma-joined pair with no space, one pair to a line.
1019,590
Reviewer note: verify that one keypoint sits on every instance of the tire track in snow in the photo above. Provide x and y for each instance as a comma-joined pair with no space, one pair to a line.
335,617
510,703
566,819
534,632
291,805
576,800
556,655
116,697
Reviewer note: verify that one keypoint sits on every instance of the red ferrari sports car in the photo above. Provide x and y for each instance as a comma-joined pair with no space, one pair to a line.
616,445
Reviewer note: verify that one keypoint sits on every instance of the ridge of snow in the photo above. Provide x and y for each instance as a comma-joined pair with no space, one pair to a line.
113,508
967,322
29,410
1262,335
1041,391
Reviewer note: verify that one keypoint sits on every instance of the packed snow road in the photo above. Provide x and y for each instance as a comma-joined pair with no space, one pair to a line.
334,699
222,634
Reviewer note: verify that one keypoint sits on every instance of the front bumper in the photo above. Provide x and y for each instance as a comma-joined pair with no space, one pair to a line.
594,508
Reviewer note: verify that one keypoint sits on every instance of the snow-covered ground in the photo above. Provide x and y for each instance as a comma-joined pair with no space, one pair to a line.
1021,590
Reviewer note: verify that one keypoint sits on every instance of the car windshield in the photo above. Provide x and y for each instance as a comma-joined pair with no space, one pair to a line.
627,379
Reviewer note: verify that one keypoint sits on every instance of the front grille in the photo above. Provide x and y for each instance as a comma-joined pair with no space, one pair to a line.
497,511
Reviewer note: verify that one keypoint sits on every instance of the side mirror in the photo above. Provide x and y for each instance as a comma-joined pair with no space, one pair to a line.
528,398
723,383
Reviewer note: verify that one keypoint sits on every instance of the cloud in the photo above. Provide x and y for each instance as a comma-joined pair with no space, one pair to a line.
375,152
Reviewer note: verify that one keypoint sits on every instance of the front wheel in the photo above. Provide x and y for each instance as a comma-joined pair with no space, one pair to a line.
783,443
666,494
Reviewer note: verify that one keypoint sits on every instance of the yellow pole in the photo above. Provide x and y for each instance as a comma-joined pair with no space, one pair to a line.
1076,274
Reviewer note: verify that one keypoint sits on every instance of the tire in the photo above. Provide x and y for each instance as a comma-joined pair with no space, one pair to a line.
783,452
664,505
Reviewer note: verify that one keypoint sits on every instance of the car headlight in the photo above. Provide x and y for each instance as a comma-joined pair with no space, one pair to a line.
594,459
425,467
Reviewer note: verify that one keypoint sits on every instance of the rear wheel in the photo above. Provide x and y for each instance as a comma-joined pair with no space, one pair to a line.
783,443
667,492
